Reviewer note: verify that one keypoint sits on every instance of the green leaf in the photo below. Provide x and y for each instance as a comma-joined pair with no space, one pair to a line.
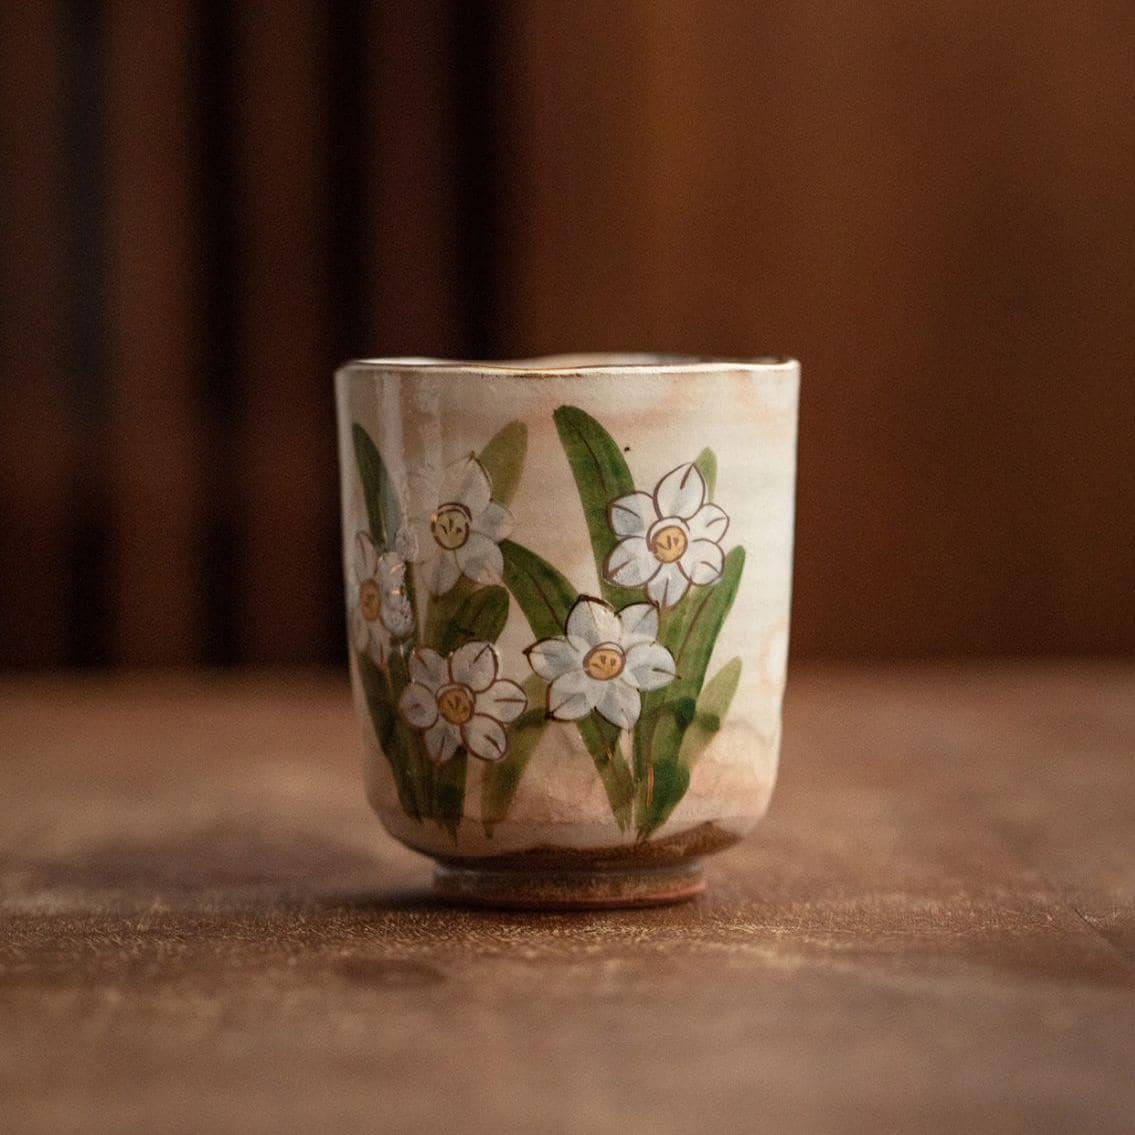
501,779
383,510
691,639
503,460
658,796
601,476
689,632
712,707
388,727
602,741
465,613
544,595
448,795
706,463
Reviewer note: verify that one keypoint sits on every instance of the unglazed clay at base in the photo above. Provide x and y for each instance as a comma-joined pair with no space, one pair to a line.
568,587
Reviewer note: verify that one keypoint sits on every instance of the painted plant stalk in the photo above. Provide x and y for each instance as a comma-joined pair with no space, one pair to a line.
627,666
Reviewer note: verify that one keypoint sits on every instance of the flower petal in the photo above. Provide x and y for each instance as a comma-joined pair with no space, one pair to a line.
649,666
480,559
594,622
391,574
504,700
640,624
360,629
496,522
474,665
702,562
708,523
441,573
441,740
429,668
415,540
632,515
397,616
484,737
551,657
680,493
418,705
573,695
630,562
378,648
620,704
466,482
668,586
365,557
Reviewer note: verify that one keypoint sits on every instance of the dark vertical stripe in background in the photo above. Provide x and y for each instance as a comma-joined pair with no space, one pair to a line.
218,274
348,160
86,362
476,70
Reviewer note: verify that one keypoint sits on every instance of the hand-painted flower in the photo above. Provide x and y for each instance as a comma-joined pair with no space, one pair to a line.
459,701
668,539
461,532
379,609
602,662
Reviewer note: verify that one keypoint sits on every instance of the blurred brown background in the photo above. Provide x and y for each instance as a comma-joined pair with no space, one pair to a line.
205,207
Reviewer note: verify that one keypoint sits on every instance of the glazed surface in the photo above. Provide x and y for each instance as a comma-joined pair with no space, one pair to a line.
577,592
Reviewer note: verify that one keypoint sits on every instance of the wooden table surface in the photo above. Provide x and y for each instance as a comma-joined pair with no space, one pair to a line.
202,928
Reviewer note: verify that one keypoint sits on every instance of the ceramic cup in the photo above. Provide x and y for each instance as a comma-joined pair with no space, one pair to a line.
568,585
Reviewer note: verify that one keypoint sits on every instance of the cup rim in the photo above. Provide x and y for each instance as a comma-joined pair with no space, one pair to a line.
589,363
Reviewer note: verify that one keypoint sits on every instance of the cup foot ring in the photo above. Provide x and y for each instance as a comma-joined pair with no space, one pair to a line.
597,888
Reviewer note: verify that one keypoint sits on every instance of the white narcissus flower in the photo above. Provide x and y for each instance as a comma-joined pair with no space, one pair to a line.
668,539
603,662
462,530
379,609
459,701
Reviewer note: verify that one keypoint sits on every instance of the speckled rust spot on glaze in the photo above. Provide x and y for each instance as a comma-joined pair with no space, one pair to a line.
568,588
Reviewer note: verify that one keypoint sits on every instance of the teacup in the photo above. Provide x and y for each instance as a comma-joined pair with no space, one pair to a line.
568,587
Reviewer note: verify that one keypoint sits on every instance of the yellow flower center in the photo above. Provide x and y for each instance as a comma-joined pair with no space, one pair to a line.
450,526
455,704
604,662
669,544
370,601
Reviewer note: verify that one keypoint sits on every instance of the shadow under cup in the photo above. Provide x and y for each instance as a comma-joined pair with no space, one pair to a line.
567,585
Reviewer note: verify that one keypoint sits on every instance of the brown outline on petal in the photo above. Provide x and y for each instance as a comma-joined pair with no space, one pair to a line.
654,495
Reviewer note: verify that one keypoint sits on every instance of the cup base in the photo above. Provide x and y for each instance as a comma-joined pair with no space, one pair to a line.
595,888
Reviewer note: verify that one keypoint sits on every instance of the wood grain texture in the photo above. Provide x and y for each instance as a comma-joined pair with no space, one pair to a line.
202,928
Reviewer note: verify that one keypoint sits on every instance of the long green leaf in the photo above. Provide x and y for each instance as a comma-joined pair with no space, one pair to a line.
383,510
602,741
448,795
387,726
689,632
706,463
465,613
712,706
691,641
501,779
601,476
544,595
503,460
